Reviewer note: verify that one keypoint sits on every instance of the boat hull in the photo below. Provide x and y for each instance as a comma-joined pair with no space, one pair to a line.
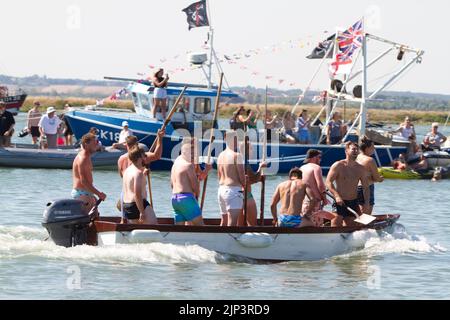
390,173
14,103
282,157
257,243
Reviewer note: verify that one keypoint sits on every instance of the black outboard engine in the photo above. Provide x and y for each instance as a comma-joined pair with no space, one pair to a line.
66,222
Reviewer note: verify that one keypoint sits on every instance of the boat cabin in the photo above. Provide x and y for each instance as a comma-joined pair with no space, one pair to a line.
197,105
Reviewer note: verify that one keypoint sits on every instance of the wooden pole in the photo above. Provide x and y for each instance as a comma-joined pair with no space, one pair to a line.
153,147
211,139
263,177
246,187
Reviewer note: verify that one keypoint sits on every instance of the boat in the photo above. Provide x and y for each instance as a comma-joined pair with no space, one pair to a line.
68,226
29,156
391,173
12,100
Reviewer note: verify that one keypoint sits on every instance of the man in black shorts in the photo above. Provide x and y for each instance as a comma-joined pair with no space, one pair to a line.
7,123
347,174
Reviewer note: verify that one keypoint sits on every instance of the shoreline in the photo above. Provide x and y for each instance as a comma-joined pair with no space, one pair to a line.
387,116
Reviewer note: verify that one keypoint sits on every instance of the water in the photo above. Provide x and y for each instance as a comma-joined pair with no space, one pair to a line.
411,263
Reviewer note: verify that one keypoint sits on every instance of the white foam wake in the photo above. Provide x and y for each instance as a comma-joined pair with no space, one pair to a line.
398,241
19,241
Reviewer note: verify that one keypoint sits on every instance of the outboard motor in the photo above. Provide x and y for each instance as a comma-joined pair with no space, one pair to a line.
66,222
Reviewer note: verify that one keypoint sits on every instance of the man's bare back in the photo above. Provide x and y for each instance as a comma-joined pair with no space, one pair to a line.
184,178
231,169
133,177
292,193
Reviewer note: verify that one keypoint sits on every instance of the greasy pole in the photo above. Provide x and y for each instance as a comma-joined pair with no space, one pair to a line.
153,147
263,177
211,139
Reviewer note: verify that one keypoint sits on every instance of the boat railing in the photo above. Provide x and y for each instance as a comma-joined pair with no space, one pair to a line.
97,108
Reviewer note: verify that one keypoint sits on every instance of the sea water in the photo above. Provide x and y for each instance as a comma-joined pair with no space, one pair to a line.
412,262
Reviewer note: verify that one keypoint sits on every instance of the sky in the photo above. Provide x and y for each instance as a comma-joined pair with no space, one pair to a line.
90,39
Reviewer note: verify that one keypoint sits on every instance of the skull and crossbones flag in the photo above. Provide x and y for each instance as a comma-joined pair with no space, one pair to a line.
196,15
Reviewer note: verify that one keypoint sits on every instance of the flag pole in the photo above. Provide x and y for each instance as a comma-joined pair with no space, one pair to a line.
363,112
211,42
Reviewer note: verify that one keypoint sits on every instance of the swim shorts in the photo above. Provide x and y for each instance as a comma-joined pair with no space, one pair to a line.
342,210
230,198
160,93
287,221
131,210
185,207
361,195
77,193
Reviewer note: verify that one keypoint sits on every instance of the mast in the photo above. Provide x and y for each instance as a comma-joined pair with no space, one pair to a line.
363,112
211,43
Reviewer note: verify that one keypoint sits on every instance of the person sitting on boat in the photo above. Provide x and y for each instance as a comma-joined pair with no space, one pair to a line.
33,118
288,128
348,174
121,145
291,194
313,177
400,163
303,124
336,130
160,83
83,185
421,165
406,129
231,175
253,117
49,126
7,124
365,159
254,177
136,208
434,139
185,183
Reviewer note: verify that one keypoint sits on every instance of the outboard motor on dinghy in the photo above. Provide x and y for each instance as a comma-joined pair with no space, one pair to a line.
66,222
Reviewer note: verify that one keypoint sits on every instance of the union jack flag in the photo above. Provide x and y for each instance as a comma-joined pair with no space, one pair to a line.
348,42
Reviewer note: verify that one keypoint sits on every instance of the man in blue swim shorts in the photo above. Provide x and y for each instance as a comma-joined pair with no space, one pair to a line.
185,182
291,194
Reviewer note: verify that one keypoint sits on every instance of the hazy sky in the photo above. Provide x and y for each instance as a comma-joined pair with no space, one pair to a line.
90,39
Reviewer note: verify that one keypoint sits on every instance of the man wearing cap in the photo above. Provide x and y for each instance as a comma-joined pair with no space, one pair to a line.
313,177
124,134
33,118
7,123
434,139
48,127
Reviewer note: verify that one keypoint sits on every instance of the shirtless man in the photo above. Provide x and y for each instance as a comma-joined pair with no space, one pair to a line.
291,193
230,168
365,159
83,188
185,183
348,174
313,177
136,208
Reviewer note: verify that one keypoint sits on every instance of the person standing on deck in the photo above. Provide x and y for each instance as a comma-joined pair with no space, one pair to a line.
7,123
303,124
160,94
185,183
336,130
254,177
291,194
406,129
137,209
33,118
348,174
313,177
230,169
83,184
48,127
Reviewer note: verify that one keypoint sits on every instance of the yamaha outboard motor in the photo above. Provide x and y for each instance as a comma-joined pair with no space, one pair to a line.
66,222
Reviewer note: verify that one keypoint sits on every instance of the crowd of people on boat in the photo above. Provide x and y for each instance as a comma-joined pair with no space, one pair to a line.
302,197
292,128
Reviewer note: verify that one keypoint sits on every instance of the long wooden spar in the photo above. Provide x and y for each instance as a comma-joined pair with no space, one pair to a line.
263,177
153,147
211,139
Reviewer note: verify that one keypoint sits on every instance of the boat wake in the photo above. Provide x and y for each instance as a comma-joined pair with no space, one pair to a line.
396,241
18,241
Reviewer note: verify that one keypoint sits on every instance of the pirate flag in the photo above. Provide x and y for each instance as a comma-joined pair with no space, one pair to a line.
322,48
196,15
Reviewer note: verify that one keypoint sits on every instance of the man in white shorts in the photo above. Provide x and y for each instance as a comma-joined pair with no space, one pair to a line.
230,168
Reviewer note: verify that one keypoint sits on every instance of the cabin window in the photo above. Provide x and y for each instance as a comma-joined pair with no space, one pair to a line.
185,103
135,99
202,105
145,102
